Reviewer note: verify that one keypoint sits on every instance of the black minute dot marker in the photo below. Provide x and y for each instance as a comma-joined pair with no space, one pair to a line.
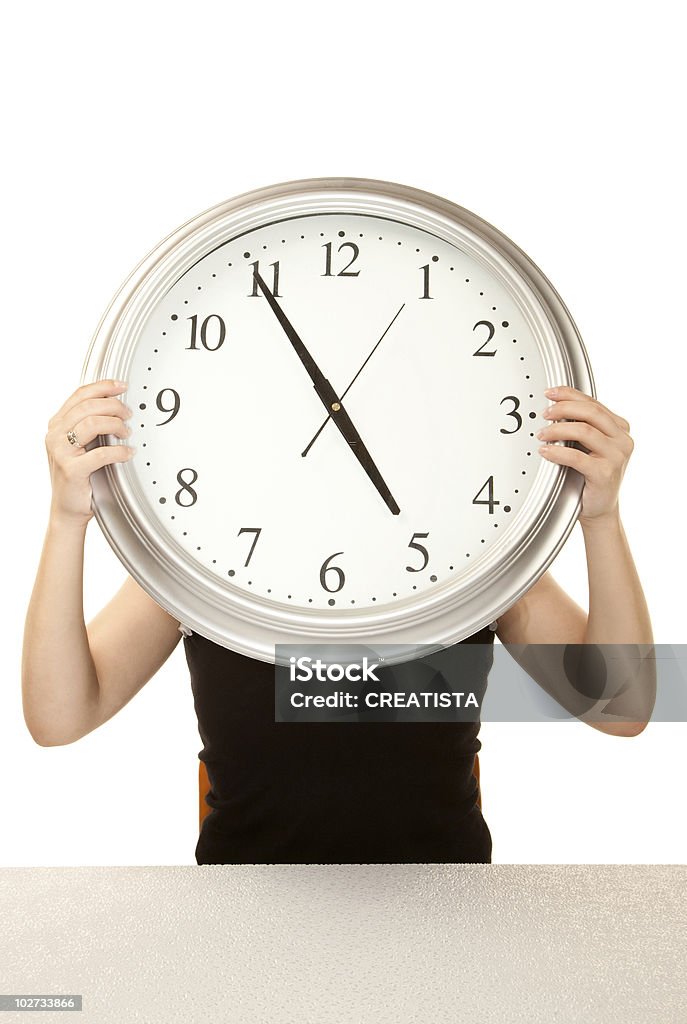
504,323
247,255
142,405
174,317
162,501
231,572
342,234
435,259
331,601
506,508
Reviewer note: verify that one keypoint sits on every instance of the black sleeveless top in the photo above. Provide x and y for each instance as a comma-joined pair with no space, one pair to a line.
332,792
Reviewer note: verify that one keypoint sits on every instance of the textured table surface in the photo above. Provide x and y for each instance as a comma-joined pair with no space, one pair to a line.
384,944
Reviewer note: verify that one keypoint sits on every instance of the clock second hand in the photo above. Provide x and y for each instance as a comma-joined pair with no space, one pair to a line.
329,416
325,392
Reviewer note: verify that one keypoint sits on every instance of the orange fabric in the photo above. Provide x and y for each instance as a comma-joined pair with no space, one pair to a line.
204,787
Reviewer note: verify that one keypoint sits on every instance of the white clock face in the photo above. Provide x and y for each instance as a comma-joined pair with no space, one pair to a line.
241,462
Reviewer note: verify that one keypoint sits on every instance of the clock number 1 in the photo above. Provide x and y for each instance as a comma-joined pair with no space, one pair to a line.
486,501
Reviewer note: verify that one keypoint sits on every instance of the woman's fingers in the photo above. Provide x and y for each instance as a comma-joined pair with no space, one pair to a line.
90,411
97,389
89,427
561,395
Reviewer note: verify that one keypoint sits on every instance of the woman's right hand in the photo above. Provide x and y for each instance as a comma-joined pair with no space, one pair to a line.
91,410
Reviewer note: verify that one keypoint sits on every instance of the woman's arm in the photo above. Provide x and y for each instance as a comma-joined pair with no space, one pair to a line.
618,621
74,677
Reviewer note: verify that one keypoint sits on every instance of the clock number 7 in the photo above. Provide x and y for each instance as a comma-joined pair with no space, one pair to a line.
486,501
250,529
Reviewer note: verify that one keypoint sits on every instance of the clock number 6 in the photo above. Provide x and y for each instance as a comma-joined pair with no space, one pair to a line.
486,501
332,568
420,548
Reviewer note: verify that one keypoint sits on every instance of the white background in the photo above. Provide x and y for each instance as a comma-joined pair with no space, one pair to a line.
562,126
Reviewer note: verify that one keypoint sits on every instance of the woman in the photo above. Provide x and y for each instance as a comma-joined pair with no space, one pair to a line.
298,792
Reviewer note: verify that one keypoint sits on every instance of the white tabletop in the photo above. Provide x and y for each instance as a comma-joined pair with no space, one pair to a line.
384,944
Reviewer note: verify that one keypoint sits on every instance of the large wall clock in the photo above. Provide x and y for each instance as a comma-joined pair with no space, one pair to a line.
337,384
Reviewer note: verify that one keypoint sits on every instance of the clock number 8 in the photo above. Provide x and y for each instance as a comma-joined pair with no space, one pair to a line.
186,488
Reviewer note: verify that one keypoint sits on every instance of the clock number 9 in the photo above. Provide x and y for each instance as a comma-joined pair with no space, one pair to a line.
422,549
221,334
332,568
174,410
186,488
513,412
486,501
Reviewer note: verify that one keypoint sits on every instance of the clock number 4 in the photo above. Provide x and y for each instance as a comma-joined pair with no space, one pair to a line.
490,501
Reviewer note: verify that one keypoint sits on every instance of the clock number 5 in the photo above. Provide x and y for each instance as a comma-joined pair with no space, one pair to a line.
486,501
423,551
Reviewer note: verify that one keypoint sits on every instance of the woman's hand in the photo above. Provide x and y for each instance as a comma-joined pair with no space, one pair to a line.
91,410
606,438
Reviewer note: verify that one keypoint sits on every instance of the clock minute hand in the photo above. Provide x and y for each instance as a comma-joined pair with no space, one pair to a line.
329,399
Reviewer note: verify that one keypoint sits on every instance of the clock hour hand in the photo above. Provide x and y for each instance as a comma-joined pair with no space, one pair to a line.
329,399
324,422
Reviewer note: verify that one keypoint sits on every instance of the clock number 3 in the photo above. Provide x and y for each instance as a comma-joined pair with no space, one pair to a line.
513,412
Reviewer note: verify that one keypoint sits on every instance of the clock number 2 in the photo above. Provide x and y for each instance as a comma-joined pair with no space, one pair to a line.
332,568
486,501
492,330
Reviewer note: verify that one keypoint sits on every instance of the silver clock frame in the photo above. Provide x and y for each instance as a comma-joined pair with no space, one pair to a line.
252,625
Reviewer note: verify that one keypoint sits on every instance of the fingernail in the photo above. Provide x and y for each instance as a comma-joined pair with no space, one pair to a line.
551,391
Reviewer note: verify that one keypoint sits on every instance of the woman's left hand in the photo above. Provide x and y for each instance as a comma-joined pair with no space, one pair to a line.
606,437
